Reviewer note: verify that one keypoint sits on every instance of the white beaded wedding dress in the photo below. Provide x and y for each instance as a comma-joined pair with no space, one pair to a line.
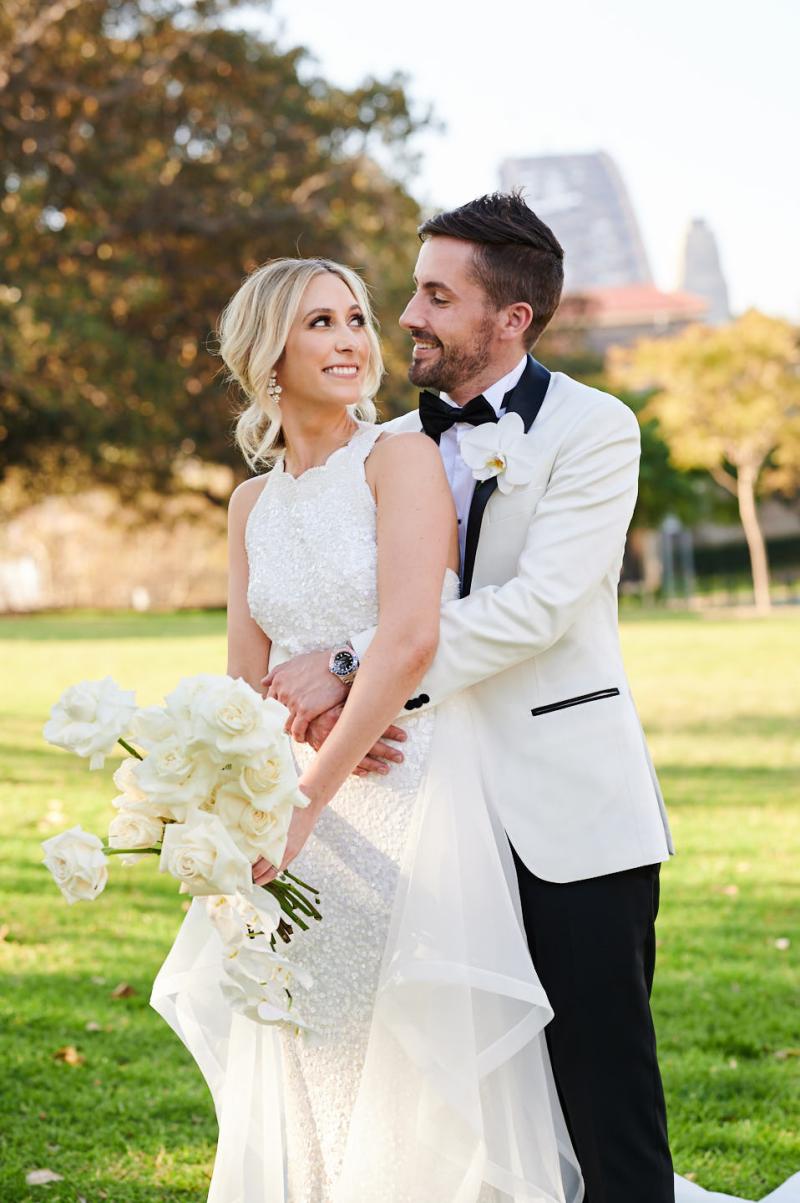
424,1077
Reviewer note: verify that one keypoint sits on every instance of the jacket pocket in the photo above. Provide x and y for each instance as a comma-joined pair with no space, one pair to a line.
578,701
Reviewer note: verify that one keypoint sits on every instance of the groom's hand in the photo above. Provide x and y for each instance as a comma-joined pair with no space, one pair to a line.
379,757
306,687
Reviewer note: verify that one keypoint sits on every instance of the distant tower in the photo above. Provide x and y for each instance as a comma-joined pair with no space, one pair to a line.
584,200
701,271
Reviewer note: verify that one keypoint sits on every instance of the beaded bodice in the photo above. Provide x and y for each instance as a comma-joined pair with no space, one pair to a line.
312,551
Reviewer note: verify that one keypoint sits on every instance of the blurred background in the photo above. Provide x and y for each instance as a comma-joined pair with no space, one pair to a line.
152,152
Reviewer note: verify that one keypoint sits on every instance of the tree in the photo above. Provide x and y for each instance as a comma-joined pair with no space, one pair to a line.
727,400
663,488
150,157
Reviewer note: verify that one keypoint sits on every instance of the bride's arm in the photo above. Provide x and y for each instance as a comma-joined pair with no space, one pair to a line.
248,646
416,525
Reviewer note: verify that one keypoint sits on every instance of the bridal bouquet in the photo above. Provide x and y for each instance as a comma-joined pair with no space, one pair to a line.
213,789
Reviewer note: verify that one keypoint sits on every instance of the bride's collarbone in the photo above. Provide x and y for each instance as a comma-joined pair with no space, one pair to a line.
298,468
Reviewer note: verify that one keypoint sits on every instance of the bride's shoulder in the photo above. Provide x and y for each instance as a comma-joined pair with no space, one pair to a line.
409,456
245,496
395,446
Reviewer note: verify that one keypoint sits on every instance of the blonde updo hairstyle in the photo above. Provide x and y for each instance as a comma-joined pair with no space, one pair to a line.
252,332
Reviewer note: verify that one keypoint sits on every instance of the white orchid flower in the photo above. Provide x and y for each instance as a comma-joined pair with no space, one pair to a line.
500,449
261,986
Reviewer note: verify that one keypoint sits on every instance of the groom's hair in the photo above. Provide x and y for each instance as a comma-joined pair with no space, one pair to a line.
517,257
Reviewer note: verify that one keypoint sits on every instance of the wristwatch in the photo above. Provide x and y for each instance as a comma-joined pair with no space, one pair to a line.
344,663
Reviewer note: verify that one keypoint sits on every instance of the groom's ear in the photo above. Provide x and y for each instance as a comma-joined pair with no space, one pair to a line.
514,320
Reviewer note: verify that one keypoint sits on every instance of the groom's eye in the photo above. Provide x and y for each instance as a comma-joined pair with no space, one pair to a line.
438,300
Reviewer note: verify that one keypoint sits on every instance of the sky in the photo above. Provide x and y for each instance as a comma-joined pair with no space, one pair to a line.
697,101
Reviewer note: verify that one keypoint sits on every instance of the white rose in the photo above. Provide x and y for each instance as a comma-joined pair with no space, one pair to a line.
133,799
268,830
229,807
132,829
133,804
256,832
181,703
234,721
230,804
125,780
175,780
202,856
269,779
152,725
89,718
78,864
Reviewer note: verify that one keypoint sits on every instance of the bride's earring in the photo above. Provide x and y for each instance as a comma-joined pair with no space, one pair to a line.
274,390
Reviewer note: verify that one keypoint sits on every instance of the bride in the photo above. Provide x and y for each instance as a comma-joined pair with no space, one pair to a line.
422,1076
417,1071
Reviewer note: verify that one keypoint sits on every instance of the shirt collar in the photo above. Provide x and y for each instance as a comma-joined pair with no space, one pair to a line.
495,393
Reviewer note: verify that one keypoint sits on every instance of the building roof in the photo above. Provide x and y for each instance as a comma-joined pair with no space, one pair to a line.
632,305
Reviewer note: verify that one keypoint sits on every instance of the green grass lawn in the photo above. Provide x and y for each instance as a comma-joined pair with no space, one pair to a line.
132,1120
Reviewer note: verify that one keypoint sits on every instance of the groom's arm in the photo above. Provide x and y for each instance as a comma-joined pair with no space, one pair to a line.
576,537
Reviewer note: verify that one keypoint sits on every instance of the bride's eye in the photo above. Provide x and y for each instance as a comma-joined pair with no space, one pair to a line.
359,319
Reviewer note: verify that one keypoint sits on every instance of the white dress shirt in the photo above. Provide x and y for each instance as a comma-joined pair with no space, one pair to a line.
462,482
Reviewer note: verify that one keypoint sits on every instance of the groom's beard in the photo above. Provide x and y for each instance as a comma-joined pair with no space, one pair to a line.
454,365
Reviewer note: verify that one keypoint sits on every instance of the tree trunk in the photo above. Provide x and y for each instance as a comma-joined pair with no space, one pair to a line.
755,539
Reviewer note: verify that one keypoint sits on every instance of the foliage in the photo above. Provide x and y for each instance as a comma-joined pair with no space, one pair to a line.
150,156
727,398
663,488
728,401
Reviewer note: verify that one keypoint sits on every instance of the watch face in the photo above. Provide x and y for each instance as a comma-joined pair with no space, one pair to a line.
344,662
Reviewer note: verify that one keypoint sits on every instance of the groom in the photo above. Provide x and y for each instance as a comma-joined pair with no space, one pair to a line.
534,635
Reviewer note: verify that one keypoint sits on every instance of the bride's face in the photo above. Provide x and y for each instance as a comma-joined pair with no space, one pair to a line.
327,351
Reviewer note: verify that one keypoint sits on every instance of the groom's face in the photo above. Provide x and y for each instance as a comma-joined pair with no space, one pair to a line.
449,317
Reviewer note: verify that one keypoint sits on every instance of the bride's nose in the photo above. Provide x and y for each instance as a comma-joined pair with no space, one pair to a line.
345,338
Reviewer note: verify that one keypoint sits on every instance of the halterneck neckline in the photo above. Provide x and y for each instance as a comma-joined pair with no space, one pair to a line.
280,462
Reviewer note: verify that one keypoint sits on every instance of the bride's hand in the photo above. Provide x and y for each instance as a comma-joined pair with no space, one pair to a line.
306,688
301,825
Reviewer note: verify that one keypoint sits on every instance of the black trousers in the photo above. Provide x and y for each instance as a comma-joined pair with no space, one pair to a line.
593,945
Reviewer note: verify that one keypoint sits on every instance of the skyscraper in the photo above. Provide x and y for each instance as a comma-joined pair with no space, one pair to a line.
583,198
701,271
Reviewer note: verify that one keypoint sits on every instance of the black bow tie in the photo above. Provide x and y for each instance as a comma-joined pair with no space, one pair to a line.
437,416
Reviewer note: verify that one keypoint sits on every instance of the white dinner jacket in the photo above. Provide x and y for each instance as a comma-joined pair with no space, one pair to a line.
537,641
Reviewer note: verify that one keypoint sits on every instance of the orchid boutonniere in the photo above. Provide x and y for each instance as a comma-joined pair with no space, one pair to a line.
500,449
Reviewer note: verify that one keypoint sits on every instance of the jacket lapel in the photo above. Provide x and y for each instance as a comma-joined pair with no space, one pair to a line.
526,400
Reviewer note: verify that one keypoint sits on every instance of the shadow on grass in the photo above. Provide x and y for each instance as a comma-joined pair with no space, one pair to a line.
715,787
763,726
88,625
